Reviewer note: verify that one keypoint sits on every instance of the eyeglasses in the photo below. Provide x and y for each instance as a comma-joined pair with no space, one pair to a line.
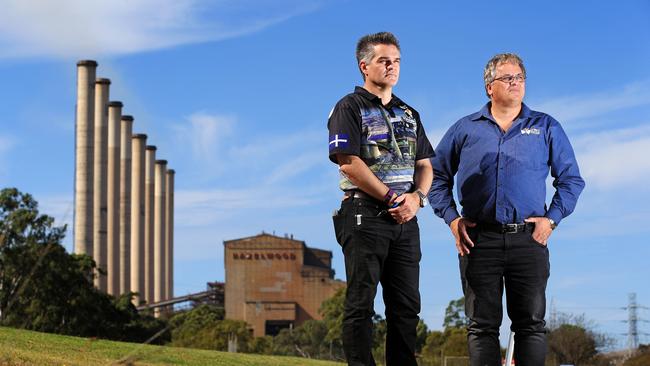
508,79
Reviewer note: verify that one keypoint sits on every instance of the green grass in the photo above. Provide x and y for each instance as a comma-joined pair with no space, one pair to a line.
23,348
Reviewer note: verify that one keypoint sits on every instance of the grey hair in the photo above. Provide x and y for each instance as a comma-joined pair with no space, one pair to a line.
366,46
490,71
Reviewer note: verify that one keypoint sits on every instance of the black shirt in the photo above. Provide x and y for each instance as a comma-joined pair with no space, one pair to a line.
389,139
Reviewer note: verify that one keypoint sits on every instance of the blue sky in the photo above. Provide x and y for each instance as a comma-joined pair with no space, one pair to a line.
236,94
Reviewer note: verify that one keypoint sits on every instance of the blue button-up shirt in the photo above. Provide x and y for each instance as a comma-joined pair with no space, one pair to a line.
501,175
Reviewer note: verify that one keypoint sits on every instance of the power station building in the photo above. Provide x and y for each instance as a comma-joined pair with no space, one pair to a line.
276,282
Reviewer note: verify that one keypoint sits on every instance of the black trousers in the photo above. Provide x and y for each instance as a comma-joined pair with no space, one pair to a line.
522,265
377,249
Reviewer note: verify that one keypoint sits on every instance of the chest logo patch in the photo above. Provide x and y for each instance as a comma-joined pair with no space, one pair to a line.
530,131
339,141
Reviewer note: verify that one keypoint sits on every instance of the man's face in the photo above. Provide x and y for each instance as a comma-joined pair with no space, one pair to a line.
383,69
507,93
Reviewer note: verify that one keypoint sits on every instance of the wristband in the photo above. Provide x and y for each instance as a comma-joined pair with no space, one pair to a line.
389,195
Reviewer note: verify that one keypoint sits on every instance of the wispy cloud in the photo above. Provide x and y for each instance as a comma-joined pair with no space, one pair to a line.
205,207
577,107
204,133
616,158
6,144
78,28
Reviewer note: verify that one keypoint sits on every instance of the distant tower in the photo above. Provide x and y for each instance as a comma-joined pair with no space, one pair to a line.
632,333
125,204
159,260
84,154
113,199
100,174
553,322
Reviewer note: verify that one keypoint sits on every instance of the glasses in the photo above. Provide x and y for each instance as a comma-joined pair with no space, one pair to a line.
508,79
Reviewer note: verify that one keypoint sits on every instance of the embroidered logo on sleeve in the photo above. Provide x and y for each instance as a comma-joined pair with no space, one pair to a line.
338,141
530,131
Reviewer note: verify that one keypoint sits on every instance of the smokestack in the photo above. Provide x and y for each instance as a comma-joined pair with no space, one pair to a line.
137,217
159,231
149,180
83,215
113,202
125,204
169,236
100,173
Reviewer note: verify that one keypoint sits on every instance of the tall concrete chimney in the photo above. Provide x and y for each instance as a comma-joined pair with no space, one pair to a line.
84,153
169,235
125,204
100,173
159,231
113,203
149,180
137,216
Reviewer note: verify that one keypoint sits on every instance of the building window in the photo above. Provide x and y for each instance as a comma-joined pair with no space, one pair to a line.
273,327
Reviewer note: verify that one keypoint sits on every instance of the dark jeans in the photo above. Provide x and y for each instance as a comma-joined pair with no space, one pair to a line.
377,249
520,263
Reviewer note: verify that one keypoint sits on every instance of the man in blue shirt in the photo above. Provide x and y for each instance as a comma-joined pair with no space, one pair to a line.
501,157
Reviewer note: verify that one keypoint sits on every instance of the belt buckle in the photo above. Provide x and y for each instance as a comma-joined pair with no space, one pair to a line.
510,228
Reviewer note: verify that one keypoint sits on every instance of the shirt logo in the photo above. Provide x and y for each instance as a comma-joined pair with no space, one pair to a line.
338,140
530,131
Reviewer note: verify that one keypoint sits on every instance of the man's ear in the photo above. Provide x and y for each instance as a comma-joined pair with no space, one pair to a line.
363,66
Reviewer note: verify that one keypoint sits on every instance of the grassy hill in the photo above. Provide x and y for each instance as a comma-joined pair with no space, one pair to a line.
22,348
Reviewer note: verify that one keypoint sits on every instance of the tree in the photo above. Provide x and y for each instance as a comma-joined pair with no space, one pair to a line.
572,344
332,311
44,288
205,327
455,314
307,340
574,340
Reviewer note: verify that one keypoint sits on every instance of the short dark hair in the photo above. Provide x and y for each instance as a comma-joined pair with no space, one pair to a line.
366,45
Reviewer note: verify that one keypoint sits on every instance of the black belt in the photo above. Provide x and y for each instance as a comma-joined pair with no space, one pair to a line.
506,228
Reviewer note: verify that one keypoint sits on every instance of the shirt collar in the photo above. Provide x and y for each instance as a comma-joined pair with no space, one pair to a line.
375,99
484,113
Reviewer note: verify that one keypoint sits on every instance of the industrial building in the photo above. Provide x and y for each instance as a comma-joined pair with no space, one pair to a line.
275,282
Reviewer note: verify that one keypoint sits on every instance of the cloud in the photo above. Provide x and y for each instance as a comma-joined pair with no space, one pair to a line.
577,107
204,133
6,144
209,206
78,28
297,166
616,158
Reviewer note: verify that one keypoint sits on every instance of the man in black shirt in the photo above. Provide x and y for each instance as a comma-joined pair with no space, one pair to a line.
384,158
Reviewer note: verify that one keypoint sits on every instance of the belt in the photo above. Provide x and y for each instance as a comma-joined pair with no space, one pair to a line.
507,228
360,194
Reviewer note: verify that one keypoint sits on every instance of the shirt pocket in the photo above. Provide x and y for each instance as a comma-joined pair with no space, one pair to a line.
531,151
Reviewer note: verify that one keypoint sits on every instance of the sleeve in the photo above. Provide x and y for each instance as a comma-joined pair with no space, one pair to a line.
445,166
423,145
564,169
344,125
